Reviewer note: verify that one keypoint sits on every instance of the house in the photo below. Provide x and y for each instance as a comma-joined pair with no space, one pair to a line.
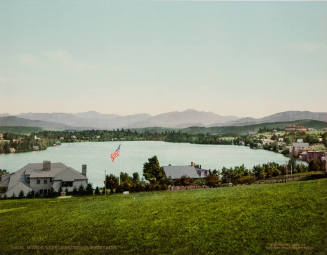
12,150
299,147
176,172
35,148
308,156
295,128
1,136
324,129
267,141
252,132
43,177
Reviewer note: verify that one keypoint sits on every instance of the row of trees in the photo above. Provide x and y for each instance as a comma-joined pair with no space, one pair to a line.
81,191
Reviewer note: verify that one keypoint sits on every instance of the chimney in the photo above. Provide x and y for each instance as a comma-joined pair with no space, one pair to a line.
84,167
46,165
192,164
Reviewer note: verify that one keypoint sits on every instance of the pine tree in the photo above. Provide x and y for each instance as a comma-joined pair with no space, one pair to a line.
97,191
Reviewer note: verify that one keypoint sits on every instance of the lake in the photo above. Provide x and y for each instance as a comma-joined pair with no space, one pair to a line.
134,154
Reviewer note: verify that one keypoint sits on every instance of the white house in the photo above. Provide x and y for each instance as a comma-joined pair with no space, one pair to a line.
43,177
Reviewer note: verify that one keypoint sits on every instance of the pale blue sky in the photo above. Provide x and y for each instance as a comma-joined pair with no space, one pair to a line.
125,57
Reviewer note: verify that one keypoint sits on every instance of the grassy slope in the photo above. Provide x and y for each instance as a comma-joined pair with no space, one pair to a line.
237,220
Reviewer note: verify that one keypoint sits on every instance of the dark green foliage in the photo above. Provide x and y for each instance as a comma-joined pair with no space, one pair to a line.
3,172
153,172
136,177
97,191
21,194
111,182
183,181
212,179
317,165
81,190
89,189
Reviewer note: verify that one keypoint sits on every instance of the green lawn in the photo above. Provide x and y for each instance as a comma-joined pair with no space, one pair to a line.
236,220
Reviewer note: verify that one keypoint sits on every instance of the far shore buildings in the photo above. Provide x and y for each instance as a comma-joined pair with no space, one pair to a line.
294,128
298,147
308,156
191,171
42,178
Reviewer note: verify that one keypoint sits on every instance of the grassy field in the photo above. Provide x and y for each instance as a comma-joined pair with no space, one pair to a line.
238,220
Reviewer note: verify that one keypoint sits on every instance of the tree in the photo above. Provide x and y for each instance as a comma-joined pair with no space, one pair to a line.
212,179
21,194
81,190
316,165
75,192
6,148
292,163
111,182
152,171
97,191
89,189
136,177
184,181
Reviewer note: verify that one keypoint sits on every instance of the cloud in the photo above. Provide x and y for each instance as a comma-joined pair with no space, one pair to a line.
60,58
310,46
27,59
64,58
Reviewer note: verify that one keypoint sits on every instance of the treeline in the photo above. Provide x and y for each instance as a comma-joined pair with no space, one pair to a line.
133,135
81,191
24,143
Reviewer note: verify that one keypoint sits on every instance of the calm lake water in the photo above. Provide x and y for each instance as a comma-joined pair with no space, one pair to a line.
134,154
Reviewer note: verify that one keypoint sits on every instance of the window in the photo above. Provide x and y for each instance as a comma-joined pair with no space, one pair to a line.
67,184
45,181
38,181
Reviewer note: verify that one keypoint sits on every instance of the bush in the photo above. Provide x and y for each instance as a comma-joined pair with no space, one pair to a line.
21,194
246,179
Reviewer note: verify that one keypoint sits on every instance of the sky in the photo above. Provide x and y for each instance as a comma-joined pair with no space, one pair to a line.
127,57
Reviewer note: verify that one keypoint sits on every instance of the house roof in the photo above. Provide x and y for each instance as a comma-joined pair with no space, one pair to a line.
176,172
300,145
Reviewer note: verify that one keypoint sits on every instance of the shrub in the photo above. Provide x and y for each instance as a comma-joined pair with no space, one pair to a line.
21,194
246,179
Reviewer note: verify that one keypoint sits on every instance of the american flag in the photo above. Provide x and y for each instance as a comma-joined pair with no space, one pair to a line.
115,154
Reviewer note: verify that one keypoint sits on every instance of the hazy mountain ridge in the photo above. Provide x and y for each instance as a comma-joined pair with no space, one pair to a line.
281,117
21,122
176,119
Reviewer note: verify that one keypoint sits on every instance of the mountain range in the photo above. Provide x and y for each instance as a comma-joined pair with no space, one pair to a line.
176,119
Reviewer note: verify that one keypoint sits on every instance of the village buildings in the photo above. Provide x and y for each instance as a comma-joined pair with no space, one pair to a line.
294,128
299,147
